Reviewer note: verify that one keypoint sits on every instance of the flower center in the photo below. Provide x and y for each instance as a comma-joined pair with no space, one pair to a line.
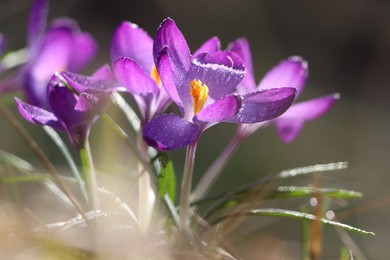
155,76
200,93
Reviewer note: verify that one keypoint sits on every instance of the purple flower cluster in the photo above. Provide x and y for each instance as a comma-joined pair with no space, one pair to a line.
209,86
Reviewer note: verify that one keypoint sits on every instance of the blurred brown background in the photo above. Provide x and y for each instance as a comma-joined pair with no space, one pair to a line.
347,45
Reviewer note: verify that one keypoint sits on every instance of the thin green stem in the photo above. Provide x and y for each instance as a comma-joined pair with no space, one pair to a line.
215,170
89,175
186,187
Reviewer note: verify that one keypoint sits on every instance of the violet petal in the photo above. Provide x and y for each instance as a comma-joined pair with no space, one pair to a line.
37,115
81,83
242,49
37,20
131,75
170,132
264,105
168,35
221,71
288,130
220,110
211,45
291,73
84,48
103,73
164,67
311,109
131,41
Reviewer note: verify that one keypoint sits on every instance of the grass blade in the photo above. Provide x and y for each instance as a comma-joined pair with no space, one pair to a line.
305,216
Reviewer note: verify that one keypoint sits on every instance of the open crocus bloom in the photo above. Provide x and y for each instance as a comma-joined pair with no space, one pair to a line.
291,72
204,88
61,46
75,102
133,67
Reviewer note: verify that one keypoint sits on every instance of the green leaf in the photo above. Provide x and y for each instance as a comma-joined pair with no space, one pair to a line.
14,161
68,157
304,216
25,178
222,199
294,191
166,179
329,167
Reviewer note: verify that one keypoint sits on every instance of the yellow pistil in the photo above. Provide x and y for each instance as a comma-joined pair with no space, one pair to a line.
200,93
155,76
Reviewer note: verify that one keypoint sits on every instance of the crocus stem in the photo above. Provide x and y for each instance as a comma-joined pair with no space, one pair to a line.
186,187
146,196
89,174
216,168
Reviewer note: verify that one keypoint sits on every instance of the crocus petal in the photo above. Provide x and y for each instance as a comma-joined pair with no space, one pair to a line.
52,56
131,75
220,110
263,105
37,20
211,45
242,49
169,35
131,41
221,71
288,130
291,73
311,109
164,67
81,83
3,43
37,115
84,48
62,101
103,73
170,132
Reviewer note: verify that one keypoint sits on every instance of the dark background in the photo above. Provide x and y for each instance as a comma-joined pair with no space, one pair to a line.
347,45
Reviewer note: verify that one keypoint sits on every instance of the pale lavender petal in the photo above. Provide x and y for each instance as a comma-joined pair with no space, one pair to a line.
220,110
81,83
211,45
84,48
291,73
168,35
311,109
131,41
103,73
131,75
288,130
242,49
170,132
264,105
221,71
37,115
52,56
37,20
164,67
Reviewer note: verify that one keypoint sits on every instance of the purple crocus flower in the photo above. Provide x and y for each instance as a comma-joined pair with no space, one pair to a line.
75,102
61,46
204,88
133,67
291,72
